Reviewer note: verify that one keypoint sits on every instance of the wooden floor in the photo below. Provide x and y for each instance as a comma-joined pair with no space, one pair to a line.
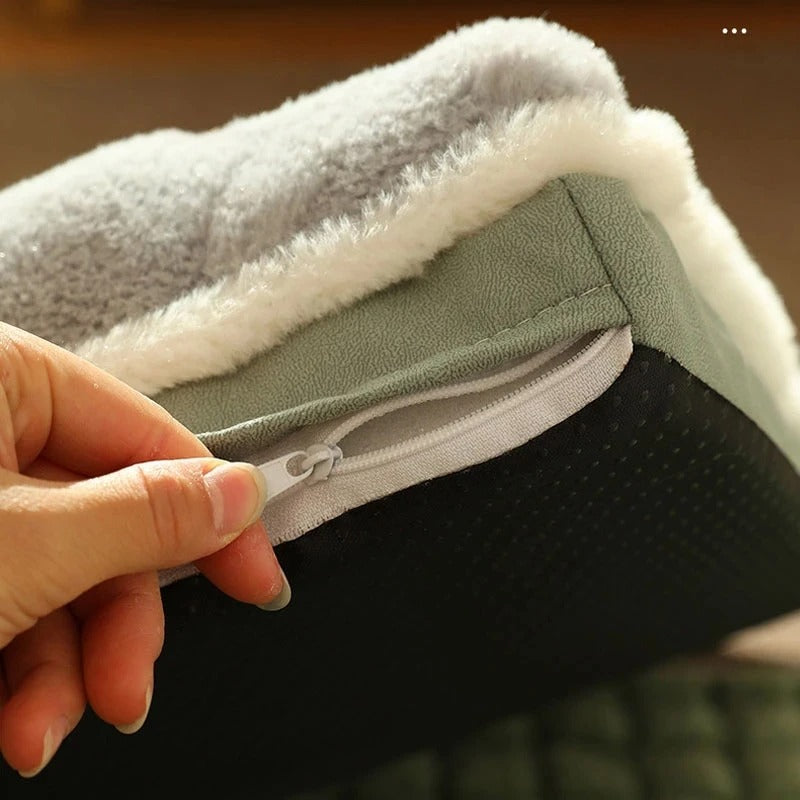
88,72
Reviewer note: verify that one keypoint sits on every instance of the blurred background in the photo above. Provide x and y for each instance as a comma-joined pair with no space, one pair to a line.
75,73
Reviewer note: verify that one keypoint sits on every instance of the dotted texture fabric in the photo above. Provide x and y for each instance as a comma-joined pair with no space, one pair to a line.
652,522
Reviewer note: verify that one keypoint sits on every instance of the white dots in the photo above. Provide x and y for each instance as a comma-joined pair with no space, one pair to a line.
744,30
733,30
724,30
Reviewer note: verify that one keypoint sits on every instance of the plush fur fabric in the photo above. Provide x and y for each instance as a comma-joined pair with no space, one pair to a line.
132,225
195,252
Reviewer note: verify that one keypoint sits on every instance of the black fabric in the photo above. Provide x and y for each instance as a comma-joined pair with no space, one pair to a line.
652,522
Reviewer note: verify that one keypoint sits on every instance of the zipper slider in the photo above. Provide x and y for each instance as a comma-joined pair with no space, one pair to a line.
322,458
314,465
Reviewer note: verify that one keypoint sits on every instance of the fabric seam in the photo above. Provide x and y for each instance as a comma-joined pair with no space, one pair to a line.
569,299
573,200
397,372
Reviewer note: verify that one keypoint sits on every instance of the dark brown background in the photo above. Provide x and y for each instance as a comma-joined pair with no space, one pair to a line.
74,73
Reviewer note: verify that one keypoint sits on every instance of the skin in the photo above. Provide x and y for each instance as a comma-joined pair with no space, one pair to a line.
82,534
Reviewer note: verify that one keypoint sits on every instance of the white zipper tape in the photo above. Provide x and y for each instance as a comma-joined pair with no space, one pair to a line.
319,459
492,430
319,482
460,389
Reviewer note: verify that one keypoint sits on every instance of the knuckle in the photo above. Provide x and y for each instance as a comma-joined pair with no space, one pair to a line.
25,392
171,502
25,597
11,369
162,439
154,443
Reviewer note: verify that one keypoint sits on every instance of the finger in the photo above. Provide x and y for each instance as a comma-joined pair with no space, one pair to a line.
245,569
43,669
45,470
150,516
8,434
122,634
91,432
3,684
248,570
79,416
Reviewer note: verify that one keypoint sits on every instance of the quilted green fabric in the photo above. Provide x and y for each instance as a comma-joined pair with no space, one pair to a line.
687,732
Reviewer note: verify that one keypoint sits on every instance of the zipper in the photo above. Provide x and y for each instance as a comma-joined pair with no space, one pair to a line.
326,459
466,423
293,468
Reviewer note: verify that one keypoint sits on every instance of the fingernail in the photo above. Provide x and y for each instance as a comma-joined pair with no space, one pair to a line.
281,600
135,726
238,493
56,734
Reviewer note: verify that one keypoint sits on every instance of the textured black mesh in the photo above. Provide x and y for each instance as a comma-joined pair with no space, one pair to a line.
653,521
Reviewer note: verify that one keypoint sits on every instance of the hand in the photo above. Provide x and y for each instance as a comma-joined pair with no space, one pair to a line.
85,524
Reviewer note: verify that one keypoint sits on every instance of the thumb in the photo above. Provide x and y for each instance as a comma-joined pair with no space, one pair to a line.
148,516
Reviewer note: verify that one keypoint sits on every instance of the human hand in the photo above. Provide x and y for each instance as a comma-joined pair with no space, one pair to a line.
84,525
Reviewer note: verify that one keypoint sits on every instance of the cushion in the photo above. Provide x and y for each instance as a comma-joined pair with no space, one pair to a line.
528,408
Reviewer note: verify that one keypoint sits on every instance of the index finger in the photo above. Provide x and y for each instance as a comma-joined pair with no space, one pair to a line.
81,418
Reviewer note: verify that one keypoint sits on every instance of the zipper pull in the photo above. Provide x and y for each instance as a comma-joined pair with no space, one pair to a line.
322,458
314,464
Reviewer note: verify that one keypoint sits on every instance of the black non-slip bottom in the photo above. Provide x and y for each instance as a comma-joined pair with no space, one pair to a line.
652,522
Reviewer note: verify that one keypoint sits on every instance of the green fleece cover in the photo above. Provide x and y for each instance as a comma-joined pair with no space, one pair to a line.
578,256
686,732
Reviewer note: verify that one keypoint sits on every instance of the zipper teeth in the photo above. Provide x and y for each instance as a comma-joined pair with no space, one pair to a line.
459,389
424,441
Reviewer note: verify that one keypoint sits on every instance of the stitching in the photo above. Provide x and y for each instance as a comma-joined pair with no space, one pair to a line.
597,251
566,300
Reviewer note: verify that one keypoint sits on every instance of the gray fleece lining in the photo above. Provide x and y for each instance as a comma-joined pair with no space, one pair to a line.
134,224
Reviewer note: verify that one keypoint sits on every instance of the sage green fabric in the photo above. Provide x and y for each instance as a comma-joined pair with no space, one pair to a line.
683,732
577,256
666,312
519,285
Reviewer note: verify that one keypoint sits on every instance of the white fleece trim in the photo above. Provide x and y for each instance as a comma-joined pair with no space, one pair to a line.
482,176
